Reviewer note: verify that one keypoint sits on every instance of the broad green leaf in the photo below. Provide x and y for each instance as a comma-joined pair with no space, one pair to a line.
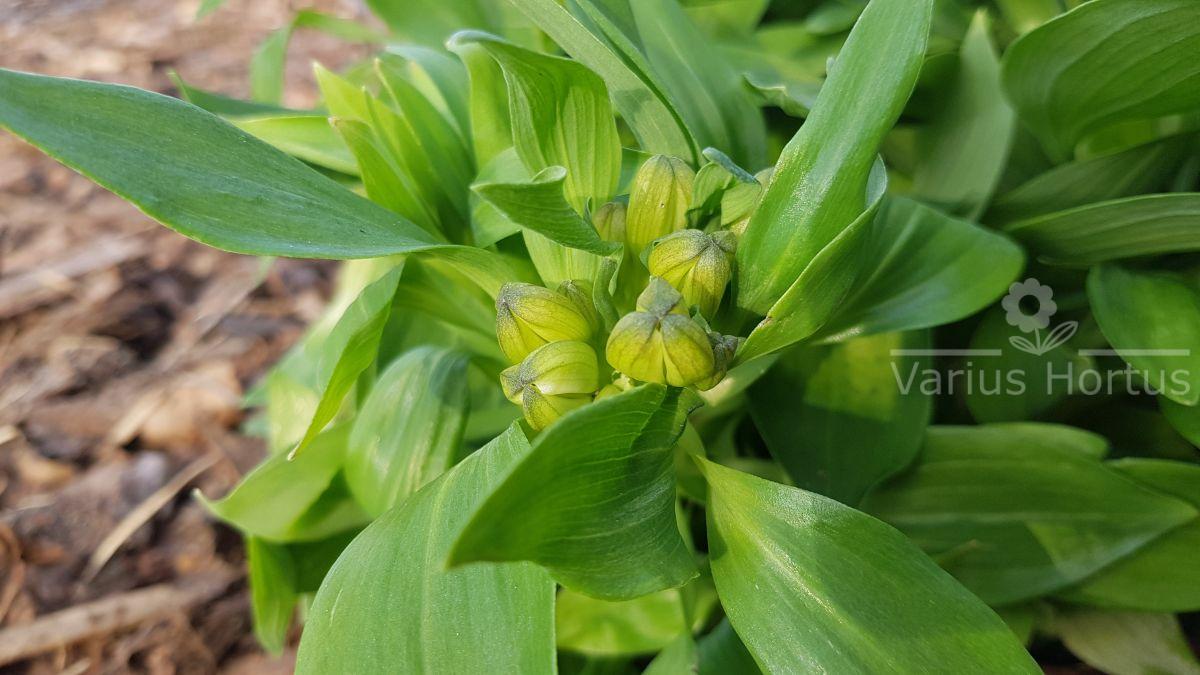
963,149
639,626
439,142
1162,576
306,137
1139,170
641,102
198,174
1185,419
1010,384
1152,320
491,127
343,29
414,138
272,578
440,79
812,585
386,183
1127,643
488,224
1105,62
410,429
721,652
820,184
390,605
820,290
281,500
839,418
596,509
349,350
1113,230
560,116
927,269
540,205
1019,511
709,93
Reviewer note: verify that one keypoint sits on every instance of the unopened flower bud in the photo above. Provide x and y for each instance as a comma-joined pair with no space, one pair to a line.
658,201
615,387
529,316
580,294
724,348
609,220
658,343
696,264
553,379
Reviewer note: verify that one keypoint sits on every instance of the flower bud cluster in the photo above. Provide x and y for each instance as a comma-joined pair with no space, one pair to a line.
563,354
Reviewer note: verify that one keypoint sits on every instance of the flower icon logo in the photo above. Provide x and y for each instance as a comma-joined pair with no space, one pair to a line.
1032,291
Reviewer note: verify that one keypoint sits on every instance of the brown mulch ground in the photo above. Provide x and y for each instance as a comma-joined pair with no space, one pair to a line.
124,352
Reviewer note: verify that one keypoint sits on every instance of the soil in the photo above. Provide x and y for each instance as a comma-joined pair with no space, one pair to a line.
125,350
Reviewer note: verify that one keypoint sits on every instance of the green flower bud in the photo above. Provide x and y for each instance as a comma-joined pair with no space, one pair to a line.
609,220
529,316
580,294
724,348
553,379
660,342
697,264
541,411
615,387
658,202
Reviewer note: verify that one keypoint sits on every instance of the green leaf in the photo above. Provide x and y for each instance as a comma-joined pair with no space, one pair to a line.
281,500
198,174
560,116
819,185
219,104
539,205
430,22
637,97
272,592
962,151
306,137
1013,384
1127,643
1019,511
490,127
1138,170
820,290
389,604
386,183
639,626
1163,576
1105,62
721,652
1152,319
709,93
410,429
928,269
349,350
813,585
679,657
267,64
838,418
1185,419
1025,15
1114,230
596,509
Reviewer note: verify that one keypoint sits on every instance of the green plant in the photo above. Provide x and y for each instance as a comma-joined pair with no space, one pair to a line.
626,371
